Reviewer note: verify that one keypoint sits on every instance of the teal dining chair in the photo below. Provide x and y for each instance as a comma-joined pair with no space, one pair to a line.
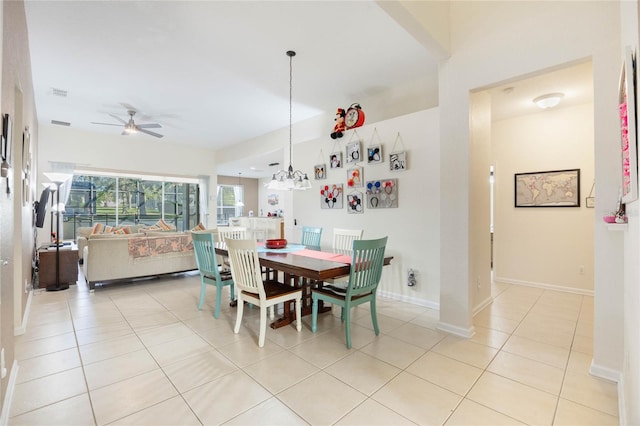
366,269
311,236
204,248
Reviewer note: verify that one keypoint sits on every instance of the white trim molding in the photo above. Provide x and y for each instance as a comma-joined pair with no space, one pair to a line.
545,286
8,396
467,333
17,331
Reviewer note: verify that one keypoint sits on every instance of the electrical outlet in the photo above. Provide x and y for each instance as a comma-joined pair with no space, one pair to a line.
581,270
411,278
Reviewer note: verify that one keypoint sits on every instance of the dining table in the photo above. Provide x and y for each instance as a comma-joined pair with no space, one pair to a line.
304,266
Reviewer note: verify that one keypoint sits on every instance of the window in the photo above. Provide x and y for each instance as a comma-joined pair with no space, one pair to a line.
130,200
228,197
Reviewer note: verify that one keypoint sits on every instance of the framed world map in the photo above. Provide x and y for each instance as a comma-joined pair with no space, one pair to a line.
557,188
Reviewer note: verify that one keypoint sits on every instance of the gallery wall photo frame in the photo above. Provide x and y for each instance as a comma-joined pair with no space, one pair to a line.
331,196
7,131
335,160
555,188
320,171
627,110
374,149
353,152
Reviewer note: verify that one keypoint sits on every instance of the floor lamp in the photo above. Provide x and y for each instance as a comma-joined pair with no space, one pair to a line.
58,179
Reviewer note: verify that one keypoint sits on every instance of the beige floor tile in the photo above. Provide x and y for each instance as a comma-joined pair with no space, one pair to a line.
119,368
178,349
470,413
45,365
103,332
165,333
363,372
47,390
583,344
489,337
386,324
338,399
466,351
129,396
221,336
507,310
570,414
549,335
278,372
198,369
493,322
269,412
172,412
74,411
372,413
537,351
46,330
429,319
98,319
143,322
360,336
579,363
246,351
416,399
591,391
223,399
585,329
393,351
46,345
425,338
514,399
448,373
288,337
106,349
323,350
529,372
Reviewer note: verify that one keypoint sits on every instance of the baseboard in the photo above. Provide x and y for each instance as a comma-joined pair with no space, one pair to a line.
467,333
8,396
17,331
486,302
544,286
414,301
605,373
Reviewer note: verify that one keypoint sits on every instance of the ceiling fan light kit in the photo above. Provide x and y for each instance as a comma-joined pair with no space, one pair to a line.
131,128
290,179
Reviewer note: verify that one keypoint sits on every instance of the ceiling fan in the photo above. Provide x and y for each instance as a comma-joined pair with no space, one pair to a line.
130,127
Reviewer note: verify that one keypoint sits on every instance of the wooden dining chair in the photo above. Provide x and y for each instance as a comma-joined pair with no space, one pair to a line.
245,268
204,247
343,243
311,236
225,232
366,269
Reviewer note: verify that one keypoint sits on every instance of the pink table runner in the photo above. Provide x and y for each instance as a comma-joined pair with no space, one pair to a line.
323,255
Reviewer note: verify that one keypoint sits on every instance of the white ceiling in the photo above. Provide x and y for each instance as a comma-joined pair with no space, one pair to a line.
214,73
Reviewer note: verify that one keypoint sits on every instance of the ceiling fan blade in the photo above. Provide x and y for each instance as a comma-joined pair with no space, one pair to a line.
107,124
149,132
149,126
118,118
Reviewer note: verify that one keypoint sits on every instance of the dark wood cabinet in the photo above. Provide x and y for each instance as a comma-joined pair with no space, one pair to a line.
47,265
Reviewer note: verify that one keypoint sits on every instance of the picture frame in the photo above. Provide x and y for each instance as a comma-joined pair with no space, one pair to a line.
355,177
374,154
398,161
335,160
355,203
382,194
353,152
628,137
26,151
320,171
556,188
331,196
7,132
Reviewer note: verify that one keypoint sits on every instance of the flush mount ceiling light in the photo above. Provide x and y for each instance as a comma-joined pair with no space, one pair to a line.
290,179
549,100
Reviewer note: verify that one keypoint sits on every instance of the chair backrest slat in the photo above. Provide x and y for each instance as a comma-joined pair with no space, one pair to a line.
311,236
234,232
245,266
204,247
366,266
343,238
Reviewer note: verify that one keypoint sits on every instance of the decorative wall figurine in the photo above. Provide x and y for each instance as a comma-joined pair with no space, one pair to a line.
339,127
354,116
320,171
382,194
355,203
331,196
355,177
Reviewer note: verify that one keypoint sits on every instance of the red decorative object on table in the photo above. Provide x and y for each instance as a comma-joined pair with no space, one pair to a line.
276,243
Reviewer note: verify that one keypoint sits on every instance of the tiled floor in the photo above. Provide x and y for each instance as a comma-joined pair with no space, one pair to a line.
143,354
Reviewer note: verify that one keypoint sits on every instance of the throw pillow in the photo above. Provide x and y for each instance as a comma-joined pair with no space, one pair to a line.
97,228
165,226
198,227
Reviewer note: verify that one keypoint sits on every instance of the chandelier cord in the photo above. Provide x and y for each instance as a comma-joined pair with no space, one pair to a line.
291,55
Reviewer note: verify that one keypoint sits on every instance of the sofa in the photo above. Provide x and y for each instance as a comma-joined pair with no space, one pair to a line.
86,232
109,257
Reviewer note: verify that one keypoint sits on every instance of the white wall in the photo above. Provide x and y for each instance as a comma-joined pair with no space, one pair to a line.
544,246
412,228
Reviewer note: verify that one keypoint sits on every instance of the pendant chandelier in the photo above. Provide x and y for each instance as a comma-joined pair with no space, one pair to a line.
290,179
